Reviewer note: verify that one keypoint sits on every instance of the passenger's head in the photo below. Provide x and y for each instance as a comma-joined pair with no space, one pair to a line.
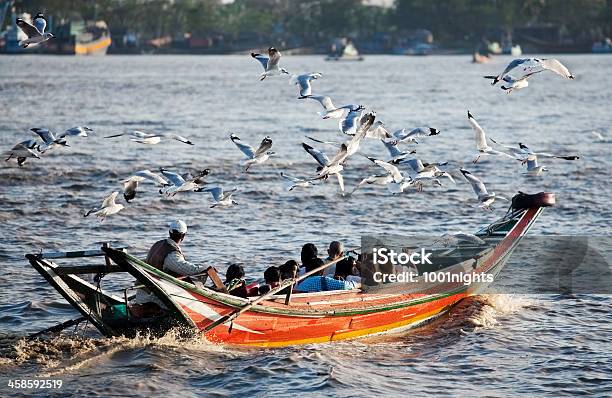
178,230
345,267
336,249
309,252
234,271
272,275
315,263
289,269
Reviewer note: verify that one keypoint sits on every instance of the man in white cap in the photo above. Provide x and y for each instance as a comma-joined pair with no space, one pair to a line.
166,254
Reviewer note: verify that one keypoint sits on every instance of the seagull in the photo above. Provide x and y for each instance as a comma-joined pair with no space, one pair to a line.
412,135
331,111
349,124
179,184
258,156
304,82
598,136
533,169
79,131
419,166
270,63
397,182
327,167
485,198
130,184
293,182
108,208
481,141
523,153
526,67
35,36
379,179
23,151
49,140
223,199
40,22
151,138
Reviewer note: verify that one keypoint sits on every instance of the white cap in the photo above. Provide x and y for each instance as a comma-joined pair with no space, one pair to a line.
178,226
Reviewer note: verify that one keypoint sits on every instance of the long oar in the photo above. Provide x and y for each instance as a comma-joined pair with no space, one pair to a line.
236,313
58,328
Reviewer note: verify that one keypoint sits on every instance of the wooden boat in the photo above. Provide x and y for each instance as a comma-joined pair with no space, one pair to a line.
282,320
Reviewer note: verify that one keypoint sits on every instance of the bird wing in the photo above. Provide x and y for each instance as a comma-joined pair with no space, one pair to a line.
174,178
263,60
40,22
337,145
532,162
290,178
481,139
274,57
340,155
325,101
390,168
477,185
44,134
246,149
152,176
110,199
392,148
319,156
216,192
557,67
28,29
348,125
74,132
379,131
340,181
304,82
415,164
177,137
266,144
513,64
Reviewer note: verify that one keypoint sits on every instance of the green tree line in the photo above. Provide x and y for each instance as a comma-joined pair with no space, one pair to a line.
313,20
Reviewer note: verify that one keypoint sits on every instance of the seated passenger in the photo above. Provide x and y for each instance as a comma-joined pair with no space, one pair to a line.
288,271
166,254
346,270
273,279
320,283
234,281
335,251
308,256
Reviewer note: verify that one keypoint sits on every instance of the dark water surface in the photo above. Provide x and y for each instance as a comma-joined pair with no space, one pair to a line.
489,345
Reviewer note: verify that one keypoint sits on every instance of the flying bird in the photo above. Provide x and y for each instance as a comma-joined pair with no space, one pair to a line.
270,63
177,183
330,110
485,198
35,36
108,208
221,198
79,131
130,184
414,134
303,81
481,141
349,123
293,182
258,156
522,69
23,151
151,138
328,167
49,140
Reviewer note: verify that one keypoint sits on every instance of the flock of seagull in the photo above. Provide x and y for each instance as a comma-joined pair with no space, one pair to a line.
398,171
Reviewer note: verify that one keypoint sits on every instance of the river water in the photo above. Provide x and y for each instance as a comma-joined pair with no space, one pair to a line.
493,345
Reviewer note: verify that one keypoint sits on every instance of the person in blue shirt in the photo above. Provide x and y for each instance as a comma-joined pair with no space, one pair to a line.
320,283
